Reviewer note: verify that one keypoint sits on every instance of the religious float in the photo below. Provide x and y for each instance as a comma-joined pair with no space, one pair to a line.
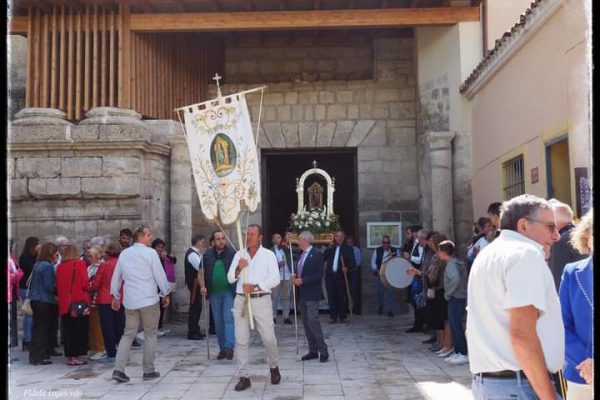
313,213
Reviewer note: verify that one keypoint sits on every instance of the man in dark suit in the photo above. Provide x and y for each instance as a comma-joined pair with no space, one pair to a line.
308,280
340,260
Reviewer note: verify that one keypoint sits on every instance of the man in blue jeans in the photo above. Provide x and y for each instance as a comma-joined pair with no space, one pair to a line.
455,293
381,255
514,330
217,261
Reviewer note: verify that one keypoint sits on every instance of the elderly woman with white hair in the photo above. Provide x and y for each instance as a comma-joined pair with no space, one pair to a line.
576,295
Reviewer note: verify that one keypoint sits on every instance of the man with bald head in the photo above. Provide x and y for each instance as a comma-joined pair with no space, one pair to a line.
562,252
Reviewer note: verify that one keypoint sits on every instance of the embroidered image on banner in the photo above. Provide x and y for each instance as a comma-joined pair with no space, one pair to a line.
224,158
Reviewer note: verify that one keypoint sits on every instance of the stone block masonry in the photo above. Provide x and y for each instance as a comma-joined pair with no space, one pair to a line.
356,105
95,178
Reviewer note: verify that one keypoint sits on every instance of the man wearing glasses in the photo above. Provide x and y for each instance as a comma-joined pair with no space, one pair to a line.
515,335
381,255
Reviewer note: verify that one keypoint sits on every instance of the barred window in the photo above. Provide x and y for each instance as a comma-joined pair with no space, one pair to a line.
514,177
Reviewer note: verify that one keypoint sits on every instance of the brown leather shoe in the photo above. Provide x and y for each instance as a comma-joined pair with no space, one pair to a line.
221,355
275,376
229,354
243,384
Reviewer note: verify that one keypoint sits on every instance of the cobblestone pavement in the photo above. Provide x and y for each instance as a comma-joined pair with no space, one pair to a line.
371,358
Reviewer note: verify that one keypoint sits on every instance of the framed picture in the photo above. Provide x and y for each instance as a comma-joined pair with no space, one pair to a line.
376,231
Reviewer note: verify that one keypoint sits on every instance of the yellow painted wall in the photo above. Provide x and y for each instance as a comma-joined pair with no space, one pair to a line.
541,93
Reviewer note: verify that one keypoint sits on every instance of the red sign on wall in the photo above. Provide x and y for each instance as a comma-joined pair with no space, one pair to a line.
535,176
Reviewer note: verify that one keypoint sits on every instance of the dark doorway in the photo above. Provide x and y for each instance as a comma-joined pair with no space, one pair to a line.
282,167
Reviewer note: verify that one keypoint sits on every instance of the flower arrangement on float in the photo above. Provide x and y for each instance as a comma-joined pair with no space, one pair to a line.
315,220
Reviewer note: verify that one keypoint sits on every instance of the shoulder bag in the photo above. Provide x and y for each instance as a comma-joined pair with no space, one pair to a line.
76,308
26,306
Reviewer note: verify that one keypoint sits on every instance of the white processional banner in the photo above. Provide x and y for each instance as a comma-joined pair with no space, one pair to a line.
224,158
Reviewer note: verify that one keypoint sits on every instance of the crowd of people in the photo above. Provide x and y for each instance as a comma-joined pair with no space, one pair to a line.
67,290
501,309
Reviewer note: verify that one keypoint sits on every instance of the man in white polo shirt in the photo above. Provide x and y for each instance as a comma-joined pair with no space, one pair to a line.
514,331
261,275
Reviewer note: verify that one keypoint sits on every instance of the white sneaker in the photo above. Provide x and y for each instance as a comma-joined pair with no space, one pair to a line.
459,359
160,333
445,352
450,357
99,355
140,337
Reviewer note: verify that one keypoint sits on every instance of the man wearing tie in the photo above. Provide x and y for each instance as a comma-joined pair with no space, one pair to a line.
308,281
340,260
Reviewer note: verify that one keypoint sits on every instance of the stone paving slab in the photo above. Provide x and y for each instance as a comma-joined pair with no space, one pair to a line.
370,358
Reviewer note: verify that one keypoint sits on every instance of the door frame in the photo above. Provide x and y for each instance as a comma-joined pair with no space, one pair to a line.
547,145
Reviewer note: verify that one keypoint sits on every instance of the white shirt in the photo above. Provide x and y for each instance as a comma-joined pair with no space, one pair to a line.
479,245
284,272
386,253
262,270
511,272
194,258
140,269
416,258
336,259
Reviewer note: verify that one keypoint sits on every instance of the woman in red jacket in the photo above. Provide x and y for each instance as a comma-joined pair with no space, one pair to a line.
73,285
112,322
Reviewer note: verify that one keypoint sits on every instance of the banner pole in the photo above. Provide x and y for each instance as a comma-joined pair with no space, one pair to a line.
294,295
245,272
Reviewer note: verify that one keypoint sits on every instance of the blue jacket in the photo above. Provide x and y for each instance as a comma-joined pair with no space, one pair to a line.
43,283
312,276
576,287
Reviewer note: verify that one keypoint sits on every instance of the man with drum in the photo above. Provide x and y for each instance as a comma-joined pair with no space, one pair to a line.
381,255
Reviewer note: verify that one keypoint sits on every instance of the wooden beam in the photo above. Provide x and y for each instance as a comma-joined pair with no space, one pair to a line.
18,25
87,61
62,82
313,19
78,64
54,62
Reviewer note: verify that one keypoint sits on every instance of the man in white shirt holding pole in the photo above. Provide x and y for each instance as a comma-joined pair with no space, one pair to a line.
260,277
140,270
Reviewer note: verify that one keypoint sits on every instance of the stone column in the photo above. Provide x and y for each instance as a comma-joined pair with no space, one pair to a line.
182,188
442,200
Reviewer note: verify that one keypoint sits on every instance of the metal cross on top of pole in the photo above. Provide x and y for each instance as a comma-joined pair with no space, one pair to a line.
217,78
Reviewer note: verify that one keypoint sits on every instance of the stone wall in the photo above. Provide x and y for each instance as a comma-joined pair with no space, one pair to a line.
377,116
105,174
297,64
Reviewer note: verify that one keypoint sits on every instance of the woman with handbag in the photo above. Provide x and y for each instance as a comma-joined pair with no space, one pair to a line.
14,276
72,287
42,294
26,260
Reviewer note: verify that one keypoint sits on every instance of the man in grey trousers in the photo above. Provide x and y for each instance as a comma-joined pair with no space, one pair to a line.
140,271
308,279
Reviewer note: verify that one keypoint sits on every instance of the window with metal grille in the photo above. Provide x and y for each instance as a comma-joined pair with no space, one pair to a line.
514,177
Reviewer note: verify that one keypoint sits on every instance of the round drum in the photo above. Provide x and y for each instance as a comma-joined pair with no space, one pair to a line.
393,273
